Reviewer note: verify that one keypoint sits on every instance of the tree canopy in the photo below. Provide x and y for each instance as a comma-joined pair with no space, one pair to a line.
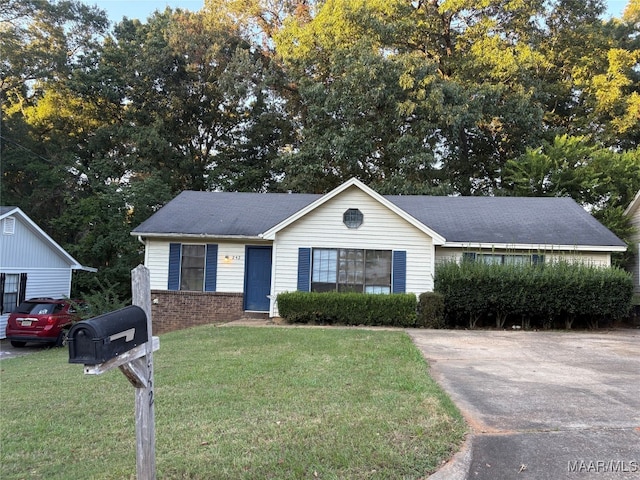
102,124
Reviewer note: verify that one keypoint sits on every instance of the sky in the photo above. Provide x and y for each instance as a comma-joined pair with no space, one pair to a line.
142,9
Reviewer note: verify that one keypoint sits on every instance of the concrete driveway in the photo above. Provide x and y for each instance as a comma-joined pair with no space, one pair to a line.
541,405
7,351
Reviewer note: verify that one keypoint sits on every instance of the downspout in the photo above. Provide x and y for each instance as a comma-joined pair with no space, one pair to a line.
145,249
433,264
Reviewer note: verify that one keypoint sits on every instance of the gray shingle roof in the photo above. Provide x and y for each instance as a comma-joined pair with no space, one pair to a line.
224,213
6,209
492,220
508,220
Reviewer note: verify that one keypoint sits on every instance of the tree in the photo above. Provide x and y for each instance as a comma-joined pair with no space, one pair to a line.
41,40
555,169
41,43
199,107
600,179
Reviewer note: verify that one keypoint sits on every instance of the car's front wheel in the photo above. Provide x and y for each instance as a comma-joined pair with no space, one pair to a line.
17,344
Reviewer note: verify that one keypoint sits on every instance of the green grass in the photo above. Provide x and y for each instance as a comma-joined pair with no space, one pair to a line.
235,403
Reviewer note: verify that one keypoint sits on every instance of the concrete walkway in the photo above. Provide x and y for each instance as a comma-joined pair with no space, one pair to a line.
541,405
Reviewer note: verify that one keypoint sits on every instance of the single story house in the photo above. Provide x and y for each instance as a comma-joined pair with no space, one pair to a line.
32,264
223,255
633,212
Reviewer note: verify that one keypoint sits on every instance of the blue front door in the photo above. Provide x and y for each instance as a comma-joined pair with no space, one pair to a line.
257,279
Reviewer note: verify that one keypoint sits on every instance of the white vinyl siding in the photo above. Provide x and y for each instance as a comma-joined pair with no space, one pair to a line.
156,259
50,282
635,239
381,229
24,249
230,270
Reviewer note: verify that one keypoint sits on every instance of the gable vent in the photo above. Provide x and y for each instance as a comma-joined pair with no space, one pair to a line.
9,226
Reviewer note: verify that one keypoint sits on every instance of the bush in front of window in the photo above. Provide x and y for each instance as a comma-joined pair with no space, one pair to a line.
431,310
334,308
533,296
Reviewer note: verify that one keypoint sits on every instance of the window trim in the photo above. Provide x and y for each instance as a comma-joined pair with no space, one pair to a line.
344,258
189,272
174,278
17,296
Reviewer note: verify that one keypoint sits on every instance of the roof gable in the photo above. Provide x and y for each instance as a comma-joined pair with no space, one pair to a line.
6,212
353,183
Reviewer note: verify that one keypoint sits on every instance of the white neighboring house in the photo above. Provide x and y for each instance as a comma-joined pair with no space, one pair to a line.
633,212
32,264
221,255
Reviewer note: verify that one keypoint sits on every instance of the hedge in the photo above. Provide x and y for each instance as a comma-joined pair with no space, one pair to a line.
398,310
431,310
548,295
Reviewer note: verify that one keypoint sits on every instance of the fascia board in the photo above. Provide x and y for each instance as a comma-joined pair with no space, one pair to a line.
12,212
635,203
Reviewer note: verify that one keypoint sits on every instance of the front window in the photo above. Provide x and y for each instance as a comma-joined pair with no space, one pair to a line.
192,268
351,270
10,295
503,258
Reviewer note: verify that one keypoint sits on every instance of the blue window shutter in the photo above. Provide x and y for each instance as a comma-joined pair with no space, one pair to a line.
304,269
537,259
174,266
399,267
211,268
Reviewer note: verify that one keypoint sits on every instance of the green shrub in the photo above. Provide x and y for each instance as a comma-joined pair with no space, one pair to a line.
431,310
398,310
541,295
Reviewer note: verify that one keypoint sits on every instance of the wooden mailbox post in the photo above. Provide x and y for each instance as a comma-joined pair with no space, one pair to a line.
137,366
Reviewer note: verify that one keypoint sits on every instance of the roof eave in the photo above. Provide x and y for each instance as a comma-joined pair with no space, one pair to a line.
196,236
84,268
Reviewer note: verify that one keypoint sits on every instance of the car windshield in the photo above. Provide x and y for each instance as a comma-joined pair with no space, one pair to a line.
36,308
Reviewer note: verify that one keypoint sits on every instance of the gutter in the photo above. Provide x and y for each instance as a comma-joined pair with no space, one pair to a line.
83,268
200,236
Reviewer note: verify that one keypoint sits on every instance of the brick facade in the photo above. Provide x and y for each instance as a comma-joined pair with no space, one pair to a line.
175,310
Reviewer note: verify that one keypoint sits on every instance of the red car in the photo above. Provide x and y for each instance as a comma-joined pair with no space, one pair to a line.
41,320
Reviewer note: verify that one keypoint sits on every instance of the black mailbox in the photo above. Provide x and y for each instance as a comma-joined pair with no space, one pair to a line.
102,338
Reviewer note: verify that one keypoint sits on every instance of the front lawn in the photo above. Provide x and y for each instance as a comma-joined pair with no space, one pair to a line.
235,403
